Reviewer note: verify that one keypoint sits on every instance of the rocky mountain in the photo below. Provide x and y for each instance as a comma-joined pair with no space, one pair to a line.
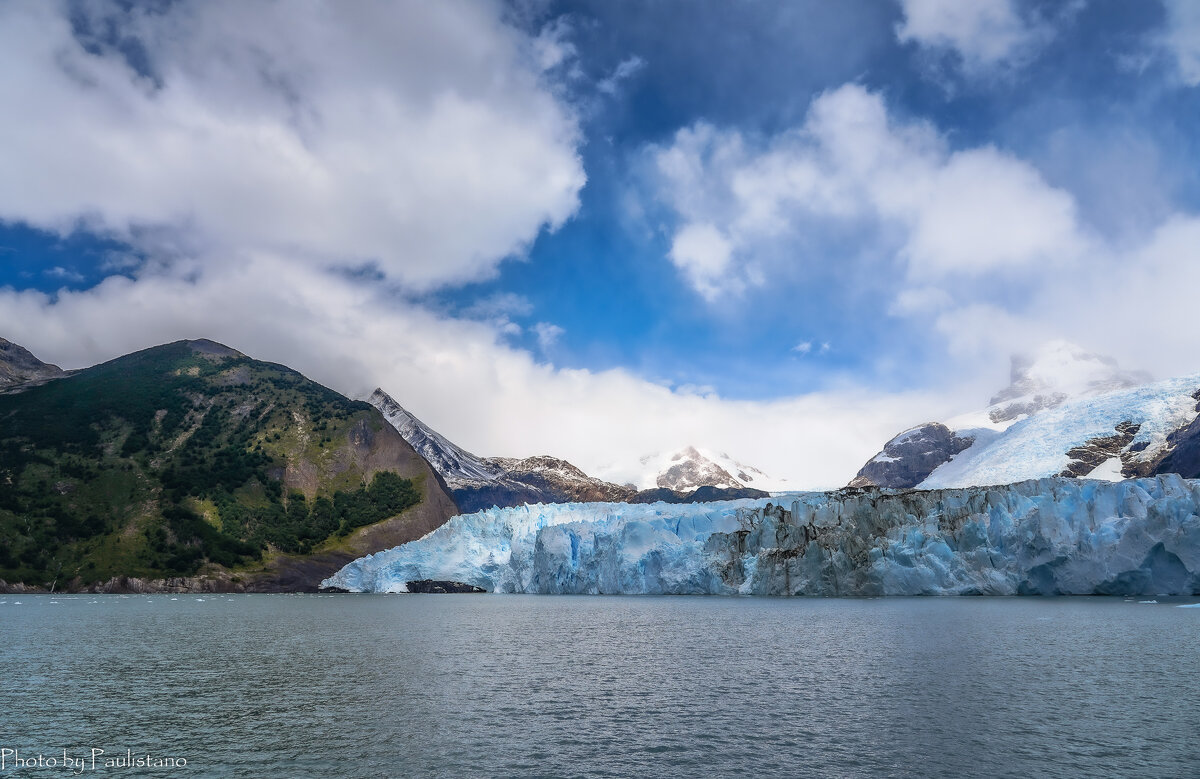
1066,413
480,482
686,469
456,465
192,466
20,369
910,457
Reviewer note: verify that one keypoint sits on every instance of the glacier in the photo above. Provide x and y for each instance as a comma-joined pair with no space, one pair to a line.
1051,536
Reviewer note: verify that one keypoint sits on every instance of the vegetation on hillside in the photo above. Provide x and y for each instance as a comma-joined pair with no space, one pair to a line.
159,462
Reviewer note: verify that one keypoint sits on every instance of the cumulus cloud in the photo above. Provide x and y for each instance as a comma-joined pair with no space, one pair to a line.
1182,38
975,248
419,137
625,69
982,34
704,255
547,334
965,213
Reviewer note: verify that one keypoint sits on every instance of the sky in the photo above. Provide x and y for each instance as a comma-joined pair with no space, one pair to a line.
782,230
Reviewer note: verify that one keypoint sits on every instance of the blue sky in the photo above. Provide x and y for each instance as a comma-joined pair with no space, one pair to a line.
527,220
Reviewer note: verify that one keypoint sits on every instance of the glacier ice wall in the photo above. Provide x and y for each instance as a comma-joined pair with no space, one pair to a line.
1048,536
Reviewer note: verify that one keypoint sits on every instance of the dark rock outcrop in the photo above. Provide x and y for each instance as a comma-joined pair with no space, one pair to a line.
1183,449
911,456
20,369
442,587
1085,459
698,495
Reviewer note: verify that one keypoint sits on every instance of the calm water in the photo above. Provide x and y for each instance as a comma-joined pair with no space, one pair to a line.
388,686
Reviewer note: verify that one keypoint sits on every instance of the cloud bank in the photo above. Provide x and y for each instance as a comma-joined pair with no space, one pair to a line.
415,137
974,244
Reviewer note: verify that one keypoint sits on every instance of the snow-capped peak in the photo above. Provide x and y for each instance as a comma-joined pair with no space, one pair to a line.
455,464
1054,373
690,467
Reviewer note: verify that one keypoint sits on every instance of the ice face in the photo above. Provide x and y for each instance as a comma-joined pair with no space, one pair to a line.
558,548
1050,536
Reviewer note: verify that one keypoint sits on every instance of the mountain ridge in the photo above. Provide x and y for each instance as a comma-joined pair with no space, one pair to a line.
192,463
1066,412
482,482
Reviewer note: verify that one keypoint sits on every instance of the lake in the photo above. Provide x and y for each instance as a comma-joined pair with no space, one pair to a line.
488,685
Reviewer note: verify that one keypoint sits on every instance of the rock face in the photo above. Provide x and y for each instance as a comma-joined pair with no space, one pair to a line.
1051,536
19,368
478,482
910,457
456,465
1183,449
1093,453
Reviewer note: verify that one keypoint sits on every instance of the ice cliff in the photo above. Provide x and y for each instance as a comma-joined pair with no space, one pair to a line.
1048,536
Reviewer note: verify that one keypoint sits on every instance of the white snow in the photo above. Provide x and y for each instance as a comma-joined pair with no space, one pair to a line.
645,473
1037,447
1109,470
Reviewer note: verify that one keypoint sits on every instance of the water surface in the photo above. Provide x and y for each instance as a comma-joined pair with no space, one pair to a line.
389,686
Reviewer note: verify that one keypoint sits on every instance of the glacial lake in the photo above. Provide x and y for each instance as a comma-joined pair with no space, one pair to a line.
485,685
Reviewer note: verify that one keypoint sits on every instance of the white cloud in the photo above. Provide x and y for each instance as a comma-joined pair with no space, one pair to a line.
967,213
625,69
553,47
804,347
975,248
418,136
1182,38
985,210
460,376
982,33
547,334
500,304
704,255
59,272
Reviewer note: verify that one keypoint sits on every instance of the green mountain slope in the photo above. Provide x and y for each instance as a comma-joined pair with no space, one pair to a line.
194,462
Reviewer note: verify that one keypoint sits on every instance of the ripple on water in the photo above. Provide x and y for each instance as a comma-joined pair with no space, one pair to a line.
525,685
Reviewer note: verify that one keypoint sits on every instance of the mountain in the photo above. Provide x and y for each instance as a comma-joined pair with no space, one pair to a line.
19,368
1056,372
192,466
480,482
1066,412
1053,536
910,457
684,470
